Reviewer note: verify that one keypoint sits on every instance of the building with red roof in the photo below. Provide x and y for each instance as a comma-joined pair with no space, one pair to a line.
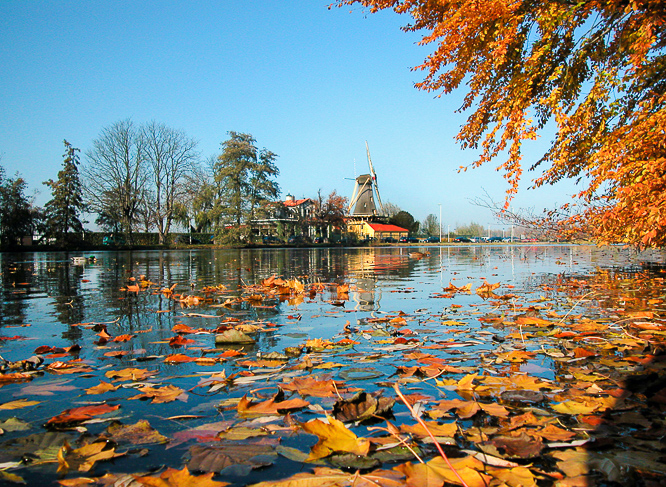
364,229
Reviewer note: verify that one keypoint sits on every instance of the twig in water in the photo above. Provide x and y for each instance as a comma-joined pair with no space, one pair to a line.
422,423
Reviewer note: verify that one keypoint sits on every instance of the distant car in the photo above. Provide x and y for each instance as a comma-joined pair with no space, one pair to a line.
432,240
495,239
319,240
271,239
390,240
409,240
463,240
113,240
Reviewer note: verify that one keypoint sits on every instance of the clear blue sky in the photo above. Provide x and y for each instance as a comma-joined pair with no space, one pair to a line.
311,84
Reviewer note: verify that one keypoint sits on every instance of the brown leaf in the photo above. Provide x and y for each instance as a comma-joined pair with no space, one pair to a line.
140,433
217,458
361,407
161,394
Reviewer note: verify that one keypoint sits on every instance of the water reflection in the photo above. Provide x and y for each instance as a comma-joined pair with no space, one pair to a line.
45,289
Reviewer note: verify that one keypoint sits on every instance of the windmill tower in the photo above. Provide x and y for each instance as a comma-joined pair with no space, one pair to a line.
366,203
365,207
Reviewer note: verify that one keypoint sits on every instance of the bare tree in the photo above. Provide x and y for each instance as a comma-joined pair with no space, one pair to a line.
115,175
171,155
430,225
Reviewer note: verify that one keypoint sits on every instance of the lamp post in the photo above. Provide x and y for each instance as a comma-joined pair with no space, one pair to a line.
440,223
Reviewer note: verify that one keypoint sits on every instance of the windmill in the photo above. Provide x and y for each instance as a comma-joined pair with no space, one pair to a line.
364,204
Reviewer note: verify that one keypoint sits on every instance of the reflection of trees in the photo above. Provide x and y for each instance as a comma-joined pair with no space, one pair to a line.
63,285
12,303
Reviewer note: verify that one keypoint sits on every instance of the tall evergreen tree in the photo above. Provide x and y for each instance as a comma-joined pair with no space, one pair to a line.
63,211
243,176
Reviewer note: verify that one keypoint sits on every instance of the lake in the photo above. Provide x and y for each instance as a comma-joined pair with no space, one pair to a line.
93,315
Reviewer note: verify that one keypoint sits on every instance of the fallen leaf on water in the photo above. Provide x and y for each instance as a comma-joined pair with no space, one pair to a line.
83,413
18,404
437,471
324,476
139,433
130,374
311,386
83,459
179,478
218,457
101,388
271,406
334,437
446,430
361,407
161,394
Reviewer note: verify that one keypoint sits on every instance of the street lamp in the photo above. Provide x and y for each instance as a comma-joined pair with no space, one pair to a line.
440,223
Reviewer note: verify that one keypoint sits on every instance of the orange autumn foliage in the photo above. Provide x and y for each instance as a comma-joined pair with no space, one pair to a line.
593,70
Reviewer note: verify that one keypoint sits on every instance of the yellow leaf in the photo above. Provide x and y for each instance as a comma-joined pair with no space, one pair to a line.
334,437
18,404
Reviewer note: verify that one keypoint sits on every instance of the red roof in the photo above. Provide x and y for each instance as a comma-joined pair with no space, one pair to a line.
296,202
381,227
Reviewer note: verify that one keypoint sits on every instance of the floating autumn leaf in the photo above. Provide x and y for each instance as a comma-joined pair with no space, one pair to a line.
324,476
438,430
179,478
516,356
233,336
362,406
122,338
179,341
83,459
130,373
161,394
18,404
521,446
178,358
101,388
80,414
139,433
466,471
15,377
318,344
273,406
585,406
215,458
334,436
40,447
467,409
515,476
486,290
240,433
311,386
553,433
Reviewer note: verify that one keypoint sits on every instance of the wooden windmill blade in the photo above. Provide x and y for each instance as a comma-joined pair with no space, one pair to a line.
374,180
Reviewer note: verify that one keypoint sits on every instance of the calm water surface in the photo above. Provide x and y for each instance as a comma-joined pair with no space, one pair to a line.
52,299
